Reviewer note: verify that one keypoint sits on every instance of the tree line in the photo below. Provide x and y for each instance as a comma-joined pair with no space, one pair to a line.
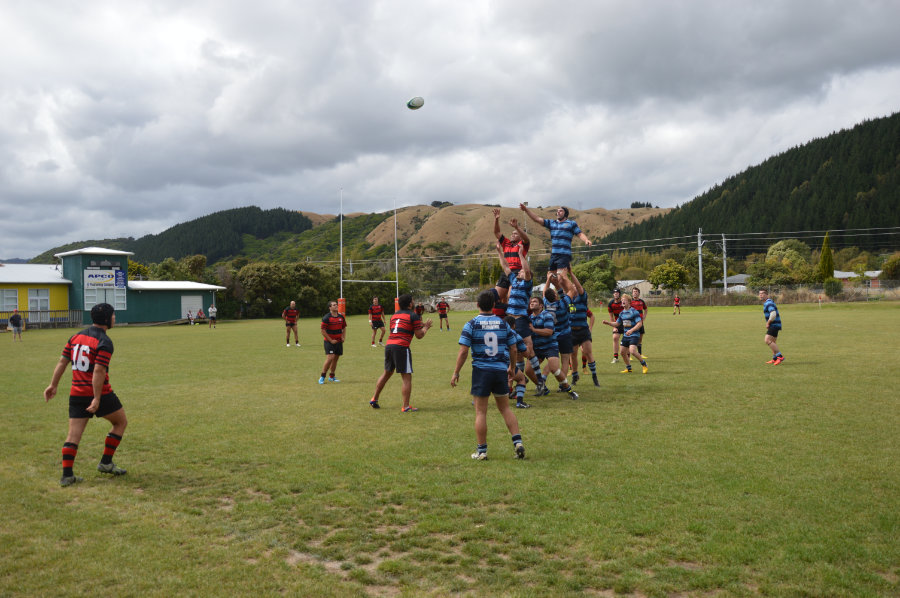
847,180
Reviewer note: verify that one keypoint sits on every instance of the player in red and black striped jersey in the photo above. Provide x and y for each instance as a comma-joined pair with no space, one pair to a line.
638,304
334,329
90,352
405,324
376,321
290,315
442,308
513,250
614,307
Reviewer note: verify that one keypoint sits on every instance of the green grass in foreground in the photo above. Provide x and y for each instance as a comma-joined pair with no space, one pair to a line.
712,475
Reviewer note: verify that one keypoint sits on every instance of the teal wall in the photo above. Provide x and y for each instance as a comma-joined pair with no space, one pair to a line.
159,306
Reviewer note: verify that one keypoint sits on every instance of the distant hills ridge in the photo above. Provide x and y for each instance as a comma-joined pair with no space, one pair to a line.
850,179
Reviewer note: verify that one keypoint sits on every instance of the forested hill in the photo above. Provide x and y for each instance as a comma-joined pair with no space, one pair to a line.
850,179
218,235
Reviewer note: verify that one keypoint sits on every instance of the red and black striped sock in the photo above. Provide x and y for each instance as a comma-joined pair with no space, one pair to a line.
112,443
69,450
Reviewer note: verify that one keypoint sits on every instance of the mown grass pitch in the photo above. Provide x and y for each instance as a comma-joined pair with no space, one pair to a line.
712,475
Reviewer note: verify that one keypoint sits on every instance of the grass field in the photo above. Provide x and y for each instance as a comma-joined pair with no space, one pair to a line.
713,475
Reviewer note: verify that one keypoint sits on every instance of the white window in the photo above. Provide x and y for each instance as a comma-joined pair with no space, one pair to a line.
9,299
39,299
115,297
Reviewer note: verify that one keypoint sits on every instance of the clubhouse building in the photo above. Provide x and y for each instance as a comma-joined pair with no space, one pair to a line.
62,295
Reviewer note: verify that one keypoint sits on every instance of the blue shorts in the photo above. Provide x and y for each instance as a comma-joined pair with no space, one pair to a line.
559,262
488,382
523,326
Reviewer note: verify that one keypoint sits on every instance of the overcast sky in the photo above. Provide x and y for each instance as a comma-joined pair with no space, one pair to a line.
125,118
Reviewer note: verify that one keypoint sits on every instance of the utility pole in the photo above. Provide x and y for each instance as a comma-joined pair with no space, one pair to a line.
700,257
724,264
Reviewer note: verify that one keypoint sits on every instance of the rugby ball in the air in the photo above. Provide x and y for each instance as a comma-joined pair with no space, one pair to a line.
415,103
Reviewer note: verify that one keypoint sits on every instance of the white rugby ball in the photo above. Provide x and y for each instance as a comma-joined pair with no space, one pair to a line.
415,103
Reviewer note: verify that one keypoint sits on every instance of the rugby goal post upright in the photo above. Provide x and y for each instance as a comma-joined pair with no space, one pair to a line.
342,302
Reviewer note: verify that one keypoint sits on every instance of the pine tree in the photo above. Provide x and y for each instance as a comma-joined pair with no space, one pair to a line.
825,269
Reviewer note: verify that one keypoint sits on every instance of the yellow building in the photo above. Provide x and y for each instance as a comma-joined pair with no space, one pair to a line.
38,291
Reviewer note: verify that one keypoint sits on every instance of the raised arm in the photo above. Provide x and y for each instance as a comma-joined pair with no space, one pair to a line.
531,214
503,263
522,235
497,232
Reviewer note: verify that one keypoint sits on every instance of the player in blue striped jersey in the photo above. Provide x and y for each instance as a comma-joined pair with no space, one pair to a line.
493,346
519,376
520,285
561,306
773,325
543,323
581,330
562,231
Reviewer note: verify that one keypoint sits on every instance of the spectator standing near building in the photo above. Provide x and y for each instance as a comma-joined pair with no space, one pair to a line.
290,315
404,325
334,330
442,308
190,317
562,231
16,324
376,320
213,312
493,346
773,326
90,352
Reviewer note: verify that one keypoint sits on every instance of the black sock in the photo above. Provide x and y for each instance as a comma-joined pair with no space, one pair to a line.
517,438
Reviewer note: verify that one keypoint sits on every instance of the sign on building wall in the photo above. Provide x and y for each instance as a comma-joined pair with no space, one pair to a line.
104,279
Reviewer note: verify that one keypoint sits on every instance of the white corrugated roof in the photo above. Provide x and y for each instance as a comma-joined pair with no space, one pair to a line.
93,250
171,285
31,274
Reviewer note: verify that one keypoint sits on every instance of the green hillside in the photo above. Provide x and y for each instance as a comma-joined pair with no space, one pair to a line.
217,236
848,180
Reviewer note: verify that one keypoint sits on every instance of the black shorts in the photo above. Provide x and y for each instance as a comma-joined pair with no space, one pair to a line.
523,326
503,282
619,330
443,316
581,335
109,403
398,359
772,331
290,324
547,353
565,343
631,341
334,348
377,324
212,319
